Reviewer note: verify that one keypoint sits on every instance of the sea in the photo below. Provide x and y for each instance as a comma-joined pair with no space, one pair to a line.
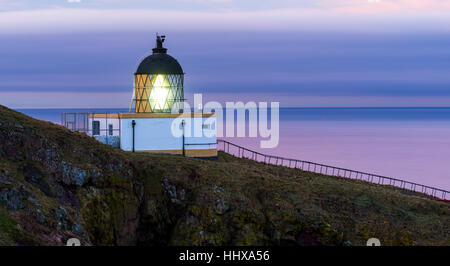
409,143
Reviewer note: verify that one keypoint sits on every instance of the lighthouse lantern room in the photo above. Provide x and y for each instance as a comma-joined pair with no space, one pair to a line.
158,82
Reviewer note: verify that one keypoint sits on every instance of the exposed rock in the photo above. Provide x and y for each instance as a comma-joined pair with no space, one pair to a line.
77,228
5,179
171,191
40,216
12,198
72,175
62,218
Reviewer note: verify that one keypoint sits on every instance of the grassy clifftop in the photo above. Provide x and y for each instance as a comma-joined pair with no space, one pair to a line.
56,184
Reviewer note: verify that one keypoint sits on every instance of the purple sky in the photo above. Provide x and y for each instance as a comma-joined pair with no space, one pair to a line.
301,53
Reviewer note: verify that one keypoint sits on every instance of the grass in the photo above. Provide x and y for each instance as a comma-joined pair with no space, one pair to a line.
8,229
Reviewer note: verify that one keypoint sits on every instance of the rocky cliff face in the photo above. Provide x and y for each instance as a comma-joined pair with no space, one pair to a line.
59,184
56,184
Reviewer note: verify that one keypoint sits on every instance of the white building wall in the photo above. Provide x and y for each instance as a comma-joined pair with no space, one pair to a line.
156,134
104,126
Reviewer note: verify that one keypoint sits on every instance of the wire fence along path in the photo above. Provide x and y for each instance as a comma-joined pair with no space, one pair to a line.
243,152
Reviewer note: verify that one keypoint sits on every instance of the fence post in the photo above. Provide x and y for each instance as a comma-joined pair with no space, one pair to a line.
133,124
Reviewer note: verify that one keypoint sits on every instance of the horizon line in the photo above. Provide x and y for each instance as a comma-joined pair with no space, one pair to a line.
287,107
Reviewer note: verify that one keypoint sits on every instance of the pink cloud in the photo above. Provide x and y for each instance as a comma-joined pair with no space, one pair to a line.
352,15
391,6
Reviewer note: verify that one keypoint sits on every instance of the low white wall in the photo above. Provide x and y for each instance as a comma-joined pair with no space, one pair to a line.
156,134
104,126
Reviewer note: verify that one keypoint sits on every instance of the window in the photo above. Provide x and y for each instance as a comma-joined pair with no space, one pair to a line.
110,129
95,128
206,126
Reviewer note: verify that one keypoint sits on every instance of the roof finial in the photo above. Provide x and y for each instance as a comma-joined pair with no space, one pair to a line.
159,49
160,40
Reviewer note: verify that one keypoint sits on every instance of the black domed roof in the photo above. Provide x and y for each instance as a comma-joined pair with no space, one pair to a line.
159,62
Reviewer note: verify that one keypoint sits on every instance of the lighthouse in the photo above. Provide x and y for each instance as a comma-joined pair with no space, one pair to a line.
158,120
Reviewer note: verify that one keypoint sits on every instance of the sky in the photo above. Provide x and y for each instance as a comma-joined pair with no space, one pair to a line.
302,53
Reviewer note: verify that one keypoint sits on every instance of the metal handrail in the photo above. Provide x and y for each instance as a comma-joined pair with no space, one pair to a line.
200,144
325,169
